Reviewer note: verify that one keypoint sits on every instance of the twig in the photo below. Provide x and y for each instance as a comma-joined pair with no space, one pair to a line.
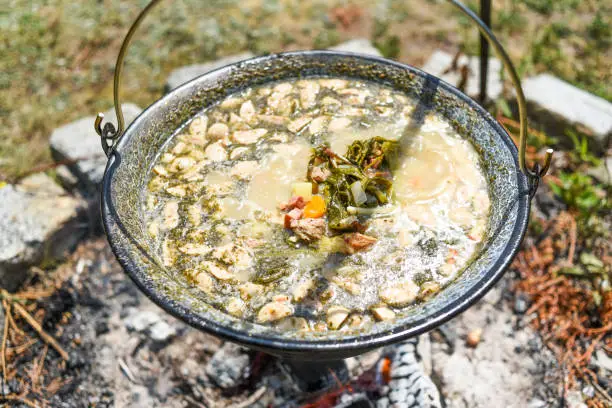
39,368
4,336
23,347
194,402
573,237
126,371
45,167
252,399
19,398
46,337
34,295
14,325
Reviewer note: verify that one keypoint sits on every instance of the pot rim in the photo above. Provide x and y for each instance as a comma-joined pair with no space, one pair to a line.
355,345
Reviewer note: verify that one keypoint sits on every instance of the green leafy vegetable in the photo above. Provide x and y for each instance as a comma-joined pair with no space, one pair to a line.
365,168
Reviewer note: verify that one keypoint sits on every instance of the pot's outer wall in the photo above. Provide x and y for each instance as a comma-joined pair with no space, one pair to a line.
127,173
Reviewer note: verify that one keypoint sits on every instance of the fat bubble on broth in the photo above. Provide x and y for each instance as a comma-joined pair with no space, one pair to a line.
317,204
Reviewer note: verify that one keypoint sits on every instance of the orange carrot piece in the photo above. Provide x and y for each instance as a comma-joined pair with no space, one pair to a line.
315,208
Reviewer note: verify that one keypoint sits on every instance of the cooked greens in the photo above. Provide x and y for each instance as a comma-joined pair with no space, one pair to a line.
360,178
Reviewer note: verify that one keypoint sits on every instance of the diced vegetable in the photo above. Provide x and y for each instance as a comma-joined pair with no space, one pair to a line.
359,195
315,207
387,210
302,189
332,244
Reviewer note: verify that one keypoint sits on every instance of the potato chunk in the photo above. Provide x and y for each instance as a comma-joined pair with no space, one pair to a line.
274,311
401,294
382,313
336,316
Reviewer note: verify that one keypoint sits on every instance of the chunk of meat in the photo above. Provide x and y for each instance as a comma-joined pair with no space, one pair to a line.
319,175
308,229
357,241
171,215
232,254
215,152
294,202
292,215
248,136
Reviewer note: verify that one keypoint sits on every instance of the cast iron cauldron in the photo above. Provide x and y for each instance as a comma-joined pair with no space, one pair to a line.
133,153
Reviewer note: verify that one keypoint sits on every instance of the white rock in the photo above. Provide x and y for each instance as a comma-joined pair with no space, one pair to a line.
141,320
187,73
440,61
558,104
39,222
161,331
227,366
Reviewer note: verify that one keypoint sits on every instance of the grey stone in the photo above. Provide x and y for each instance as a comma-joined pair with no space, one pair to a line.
603,172
536,403
520,304
439,65
404,371
141,320
227,366
557,104
429,396
602,360
354,401
66,178
359,46
589,391
382,403
39,222
161,331
573,399
424,353
408,358
185,74
78,142
401,395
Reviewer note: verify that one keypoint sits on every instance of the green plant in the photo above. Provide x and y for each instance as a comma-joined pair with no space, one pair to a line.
326,38
580,193
549,6
509,20
600,30
389,45
581,154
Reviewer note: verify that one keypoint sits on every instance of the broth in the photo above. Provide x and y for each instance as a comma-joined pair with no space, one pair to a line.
243,204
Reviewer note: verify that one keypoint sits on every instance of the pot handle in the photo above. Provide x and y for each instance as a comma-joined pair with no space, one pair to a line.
538,171
109,134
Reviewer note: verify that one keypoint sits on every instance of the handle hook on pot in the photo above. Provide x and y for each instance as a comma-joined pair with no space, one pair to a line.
108,134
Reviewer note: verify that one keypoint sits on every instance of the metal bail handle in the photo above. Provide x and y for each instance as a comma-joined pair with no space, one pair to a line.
110,134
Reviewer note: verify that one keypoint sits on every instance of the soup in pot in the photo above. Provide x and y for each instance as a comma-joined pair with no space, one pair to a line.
317,204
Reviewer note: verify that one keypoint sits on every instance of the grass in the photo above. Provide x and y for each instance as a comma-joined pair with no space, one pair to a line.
57,56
